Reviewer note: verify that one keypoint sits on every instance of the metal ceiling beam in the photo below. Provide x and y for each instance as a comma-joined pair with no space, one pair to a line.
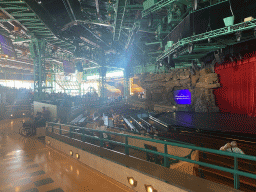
14,8
23,14
28,20
120,12
159,5
153,43
13,2
134,7
77,22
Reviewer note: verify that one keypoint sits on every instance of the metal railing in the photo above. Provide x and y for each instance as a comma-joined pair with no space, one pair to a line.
234,170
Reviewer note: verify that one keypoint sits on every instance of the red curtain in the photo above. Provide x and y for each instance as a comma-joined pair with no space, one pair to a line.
237,92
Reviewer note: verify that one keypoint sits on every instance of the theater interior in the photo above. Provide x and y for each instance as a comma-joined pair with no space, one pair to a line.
127,95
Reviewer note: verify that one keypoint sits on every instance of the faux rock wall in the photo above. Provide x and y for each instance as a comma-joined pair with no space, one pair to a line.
160,87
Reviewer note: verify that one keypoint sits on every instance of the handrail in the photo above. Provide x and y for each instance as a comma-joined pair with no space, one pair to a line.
141,126
234,170
158,121
147,134
129,124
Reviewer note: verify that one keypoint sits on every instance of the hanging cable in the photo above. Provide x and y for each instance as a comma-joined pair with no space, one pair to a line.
231,8
71,10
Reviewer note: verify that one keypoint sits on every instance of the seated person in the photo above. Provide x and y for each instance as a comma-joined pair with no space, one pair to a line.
225,147
234,148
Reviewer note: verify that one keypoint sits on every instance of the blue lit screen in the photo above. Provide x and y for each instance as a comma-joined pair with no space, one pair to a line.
182,97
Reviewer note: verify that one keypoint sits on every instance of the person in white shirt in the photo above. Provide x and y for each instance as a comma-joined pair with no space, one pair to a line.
232,147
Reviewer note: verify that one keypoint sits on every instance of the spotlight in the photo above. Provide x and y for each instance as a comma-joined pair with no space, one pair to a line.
174,107
77,156
11,115
71,153
23,114
190,48
130,121
132,182
149,188
238,36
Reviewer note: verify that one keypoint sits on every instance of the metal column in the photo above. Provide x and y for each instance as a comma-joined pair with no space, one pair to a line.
126,84
103,71
37,50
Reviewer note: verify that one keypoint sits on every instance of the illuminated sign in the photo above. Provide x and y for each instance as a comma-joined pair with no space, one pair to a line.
182,97
7,46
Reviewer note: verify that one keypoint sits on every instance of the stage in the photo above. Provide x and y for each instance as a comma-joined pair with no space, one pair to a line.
220,122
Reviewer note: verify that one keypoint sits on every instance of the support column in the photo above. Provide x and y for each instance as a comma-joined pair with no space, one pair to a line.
126,84
37,50
103,72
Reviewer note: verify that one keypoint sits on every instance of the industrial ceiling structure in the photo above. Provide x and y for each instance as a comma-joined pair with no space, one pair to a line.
123,34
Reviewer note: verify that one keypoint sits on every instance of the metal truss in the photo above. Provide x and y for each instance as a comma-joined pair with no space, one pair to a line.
119,17
135,28
160,5
20,11
37,50
208,35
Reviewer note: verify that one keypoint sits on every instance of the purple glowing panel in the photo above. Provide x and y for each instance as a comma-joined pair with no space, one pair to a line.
68,68
7,46
182,97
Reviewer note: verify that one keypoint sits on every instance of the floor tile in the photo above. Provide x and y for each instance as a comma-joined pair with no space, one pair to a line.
32,190
56,190
43,182
41,172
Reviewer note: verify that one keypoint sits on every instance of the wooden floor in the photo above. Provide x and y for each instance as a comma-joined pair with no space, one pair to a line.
27,164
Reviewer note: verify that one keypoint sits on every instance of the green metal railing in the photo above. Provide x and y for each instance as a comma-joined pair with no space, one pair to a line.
234,170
